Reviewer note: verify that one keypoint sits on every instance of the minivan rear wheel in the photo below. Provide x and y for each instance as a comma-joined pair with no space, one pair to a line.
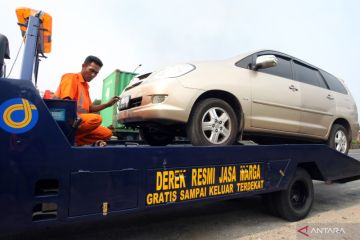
212,122
339,139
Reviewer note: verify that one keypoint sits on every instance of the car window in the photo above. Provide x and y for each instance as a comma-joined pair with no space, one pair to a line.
245,62
308,75
282,69
334,83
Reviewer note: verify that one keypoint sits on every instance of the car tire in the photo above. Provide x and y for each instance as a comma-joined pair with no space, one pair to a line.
156,137
339,139
295,202
212,122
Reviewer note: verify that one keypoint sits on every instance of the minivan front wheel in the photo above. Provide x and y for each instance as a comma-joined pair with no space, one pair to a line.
339,139
213,122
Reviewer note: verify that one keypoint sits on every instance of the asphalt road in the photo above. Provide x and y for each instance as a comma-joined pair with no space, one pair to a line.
335,206
355,153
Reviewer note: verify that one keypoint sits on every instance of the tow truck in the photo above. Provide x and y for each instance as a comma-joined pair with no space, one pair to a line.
46,180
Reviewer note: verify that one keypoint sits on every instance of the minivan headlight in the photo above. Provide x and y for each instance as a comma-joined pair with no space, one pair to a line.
173,71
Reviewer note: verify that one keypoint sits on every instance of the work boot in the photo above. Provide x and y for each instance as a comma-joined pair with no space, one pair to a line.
100,143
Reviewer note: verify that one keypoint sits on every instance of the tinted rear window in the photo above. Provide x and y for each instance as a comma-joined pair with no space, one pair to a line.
308,75
334,83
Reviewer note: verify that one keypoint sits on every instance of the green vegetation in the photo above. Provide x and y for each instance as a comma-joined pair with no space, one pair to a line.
355,144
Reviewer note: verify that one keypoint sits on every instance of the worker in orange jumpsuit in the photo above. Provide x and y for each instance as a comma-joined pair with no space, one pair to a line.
74,86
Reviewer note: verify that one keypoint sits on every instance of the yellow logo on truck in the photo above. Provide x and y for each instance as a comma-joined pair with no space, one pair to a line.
178,185
18,115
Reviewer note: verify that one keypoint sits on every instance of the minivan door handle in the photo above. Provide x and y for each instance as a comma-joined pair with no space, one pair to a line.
330,97
293,88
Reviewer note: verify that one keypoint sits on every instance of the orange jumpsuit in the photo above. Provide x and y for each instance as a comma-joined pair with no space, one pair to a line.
73,86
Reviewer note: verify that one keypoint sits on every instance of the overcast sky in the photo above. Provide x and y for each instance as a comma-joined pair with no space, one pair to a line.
156,33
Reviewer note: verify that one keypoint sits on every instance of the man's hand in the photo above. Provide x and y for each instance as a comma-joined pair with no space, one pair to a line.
113,100
97,108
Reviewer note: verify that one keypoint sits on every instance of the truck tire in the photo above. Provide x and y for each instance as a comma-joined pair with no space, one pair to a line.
212,122
339,139
295,202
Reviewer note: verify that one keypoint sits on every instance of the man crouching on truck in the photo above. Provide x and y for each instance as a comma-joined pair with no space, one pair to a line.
74,86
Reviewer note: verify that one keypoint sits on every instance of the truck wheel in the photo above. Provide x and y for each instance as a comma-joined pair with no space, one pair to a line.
156,137
296,201
212,122
339,139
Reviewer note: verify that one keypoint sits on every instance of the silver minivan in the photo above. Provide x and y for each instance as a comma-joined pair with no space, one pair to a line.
262,93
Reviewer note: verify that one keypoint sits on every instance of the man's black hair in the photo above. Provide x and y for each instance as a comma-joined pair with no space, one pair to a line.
94,59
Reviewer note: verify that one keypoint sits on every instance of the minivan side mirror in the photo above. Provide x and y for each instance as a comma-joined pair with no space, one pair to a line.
265,61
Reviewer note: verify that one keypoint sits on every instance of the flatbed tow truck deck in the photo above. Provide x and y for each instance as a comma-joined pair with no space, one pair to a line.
45,180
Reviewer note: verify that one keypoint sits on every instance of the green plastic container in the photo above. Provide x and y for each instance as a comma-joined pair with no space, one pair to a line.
113,85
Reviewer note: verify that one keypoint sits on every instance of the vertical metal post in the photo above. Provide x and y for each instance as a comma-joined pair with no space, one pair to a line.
30,48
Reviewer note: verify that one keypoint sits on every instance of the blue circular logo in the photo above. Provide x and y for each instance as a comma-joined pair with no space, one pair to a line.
18,115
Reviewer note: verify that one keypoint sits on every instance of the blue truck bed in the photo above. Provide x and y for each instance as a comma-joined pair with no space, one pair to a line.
45,180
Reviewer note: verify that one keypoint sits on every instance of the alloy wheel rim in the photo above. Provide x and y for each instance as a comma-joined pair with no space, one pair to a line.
216,125
340,141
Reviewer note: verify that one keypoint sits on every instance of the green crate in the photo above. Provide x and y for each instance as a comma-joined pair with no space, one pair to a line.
113,85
